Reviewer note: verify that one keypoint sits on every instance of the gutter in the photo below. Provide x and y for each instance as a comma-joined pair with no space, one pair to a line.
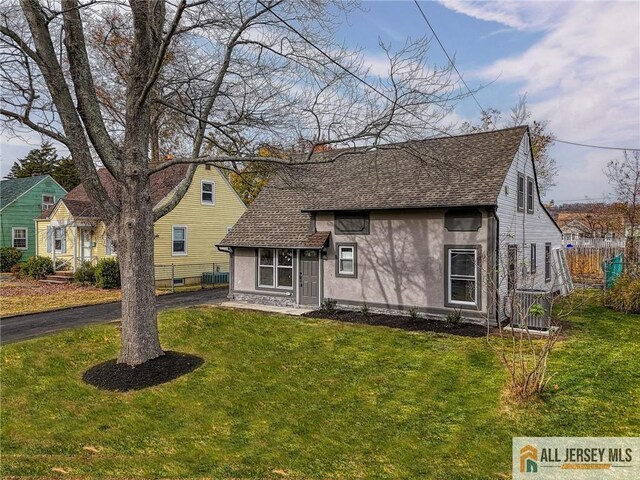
228,250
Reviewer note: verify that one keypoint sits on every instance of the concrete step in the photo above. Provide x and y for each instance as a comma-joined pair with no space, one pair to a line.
64,273
58,282
56,278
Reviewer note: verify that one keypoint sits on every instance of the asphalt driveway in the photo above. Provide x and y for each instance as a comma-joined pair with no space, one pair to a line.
39,324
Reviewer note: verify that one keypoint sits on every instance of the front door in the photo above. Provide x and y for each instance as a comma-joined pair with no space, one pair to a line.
85,242
309,277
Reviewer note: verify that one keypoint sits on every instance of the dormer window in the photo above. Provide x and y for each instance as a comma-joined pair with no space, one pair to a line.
207,193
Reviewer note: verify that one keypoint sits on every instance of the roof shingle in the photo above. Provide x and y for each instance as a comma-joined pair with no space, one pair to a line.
443,172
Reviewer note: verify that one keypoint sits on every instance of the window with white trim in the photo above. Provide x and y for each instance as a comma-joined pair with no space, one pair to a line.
179,241
57,239
347,260
207,193
48,201
275,268
19,238
462,281
547,262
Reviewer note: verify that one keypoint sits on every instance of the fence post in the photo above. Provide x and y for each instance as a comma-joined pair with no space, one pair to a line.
173,287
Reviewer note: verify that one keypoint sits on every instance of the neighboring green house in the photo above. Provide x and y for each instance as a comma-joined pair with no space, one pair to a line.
22,200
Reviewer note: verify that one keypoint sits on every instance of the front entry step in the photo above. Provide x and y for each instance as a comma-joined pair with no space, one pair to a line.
58,278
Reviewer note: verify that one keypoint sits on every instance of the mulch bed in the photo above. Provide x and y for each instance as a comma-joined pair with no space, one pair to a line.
119,377
402,322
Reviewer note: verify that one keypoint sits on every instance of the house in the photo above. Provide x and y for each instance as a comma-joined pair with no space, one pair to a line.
436,226
22,200
71,232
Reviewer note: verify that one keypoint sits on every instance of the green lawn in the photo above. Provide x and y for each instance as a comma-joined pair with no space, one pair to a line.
284,397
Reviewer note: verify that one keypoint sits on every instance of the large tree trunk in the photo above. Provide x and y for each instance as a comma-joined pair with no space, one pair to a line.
140,341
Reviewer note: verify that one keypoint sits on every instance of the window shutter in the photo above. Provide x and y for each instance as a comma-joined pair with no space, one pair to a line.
63,240
49,239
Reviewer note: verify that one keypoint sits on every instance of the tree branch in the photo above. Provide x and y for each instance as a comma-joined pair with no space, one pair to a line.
88,105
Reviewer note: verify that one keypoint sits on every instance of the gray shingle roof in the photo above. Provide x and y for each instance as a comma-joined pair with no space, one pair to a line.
79,205
444,172
12,188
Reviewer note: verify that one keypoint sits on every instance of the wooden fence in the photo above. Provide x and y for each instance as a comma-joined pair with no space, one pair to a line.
585,259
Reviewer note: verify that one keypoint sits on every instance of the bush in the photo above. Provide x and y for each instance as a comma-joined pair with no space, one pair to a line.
107,273
9,256
454,318
85,274
328,306
16,269
364,309
413,314
624,296
37,267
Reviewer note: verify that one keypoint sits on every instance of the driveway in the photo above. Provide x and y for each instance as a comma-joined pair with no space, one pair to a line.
39,324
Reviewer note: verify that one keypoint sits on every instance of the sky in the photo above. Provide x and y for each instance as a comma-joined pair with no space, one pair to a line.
577,62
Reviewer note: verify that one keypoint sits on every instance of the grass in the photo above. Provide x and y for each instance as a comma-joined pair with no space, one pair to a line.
26,296
291,397
21,297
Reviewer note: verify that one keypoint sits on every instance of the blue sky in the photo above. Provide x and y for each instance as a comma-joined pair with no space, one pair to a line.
578,63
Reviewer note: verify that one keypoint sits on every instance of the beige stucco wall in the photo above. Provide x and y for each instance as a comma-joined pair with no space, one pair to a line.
402,260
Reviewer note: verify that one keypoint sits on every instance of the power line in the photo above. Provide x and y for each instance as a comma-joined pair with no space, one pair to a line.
593,146
447,54
346,70
478,103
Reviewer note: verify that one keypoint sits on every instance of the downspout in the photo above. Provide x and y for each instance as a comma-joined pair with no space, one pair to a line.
497,264
229,251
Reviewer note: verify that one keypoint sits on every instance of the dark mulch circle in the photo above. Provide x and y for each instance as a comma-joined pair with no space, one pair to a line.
403,322
119,377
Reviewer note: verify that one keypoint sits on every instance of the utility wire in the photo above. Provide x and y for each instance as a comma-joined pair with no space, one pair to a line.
435,35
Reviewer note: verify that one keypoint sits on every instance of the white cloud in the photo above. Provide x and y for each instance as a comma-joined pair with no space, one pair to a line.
583,75
517,15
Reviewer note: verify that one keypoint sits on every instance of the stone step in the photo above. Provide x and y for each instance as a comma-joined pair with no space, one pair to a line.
64,273
59,278
58,282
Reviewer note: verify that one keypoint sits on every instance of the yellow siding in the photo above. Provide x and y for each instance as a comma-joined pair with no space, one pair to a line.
206,225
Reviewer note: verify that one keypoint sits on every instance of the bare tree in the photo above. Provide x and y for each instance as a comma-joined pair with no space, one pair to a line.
234,75
541,138
624,176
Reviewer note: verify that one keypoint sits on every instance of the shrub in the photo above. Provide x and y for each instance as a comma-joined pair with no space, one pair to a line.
624,296
16,269
364,309
454,318
328,305
9,256
413,314
85,274
107,273
37,267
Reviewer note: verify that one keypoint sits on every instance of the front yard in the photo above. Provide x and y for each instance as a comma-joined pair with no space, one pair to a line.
282,397
24,296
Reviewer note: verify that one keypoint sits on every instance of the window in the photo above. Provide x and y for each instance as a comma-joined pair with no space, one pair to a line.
178,282
547,262
520,192
179,241
463,220
347,260
275,268
462,282
352,223
529,195
19,238
48,201
229,229
207,193
534,259
109,246
57,239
